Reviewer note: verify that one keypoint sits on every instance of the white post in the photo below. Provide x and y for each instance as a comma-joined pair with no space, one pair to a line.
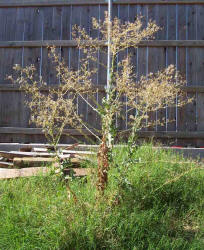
110,5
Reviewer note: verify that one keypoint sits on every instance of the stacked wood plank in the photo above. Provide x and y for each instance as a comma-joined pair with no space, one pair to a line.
31,161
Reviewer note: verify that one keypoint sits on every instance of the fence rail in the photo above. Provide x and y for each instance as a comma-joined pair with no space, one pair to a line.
81,132
24,135
71,43
97,88
47,3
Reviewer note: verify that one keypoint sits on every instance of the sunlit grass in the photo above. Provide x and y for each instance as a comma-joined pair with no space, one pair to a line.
154,202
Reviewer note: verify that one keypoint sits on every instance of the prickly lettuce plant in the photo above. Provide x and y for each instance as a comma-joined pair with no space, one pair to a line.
58,107
143,95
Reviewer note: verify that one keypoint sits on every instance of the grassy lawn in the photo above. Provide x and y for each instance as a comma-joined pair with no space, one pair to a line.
149,204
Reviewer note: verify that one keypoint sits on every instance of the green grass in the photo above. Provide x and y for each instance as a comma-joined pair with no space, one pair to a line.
148,204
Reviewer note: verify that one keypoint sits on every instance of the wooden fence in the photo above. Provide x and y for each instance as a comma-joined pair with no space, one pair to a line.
27,27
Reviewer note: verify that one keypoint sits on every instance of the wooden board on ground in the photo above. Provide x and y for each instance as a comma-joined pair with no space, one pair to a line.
39,150
28,172
26,149
19,146
47,148
64,154
77,172
6,164
25,172
40,161
31,162
13,154
44,150
84,153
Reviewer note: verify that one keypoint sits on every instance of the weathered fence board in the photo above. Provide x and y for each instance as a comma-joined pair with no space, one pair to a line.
28,27
30,3
199,70
71,43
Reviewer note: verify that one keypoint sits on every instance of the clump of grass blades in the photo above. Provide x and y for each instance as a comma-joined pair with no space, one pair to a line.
154,201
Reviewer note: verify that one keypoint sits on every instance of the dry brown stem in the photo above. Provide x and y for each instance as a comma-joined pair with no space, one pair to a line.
103,165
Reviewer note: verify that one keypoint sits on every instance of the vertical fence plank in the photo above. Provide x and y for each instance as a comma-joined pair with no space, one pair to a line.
51,28
142,60
85,24
66,34
33,24
162,53
66,18
181,59
123,15
11,18
52,23
8,19
157,60
74,55
32,31
92,117
199,69
102,55
12,108
133,53
171,59
191,67
102,62
153,62
66,31
162,22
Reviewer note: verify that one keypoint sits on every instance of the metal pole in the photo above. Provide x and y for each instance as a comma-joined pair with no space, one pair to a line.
110,6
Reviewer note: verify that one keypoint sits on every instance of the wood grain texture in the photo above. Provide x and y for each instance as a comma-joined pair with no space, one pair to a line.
52,29
171,59
13,87
199,69
133,52
6,164
142,53
181,34
45,23
24,172
35,171
29,3
191,68
84,15
71,43
122,12
38,131
153,64
74,132
91,115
